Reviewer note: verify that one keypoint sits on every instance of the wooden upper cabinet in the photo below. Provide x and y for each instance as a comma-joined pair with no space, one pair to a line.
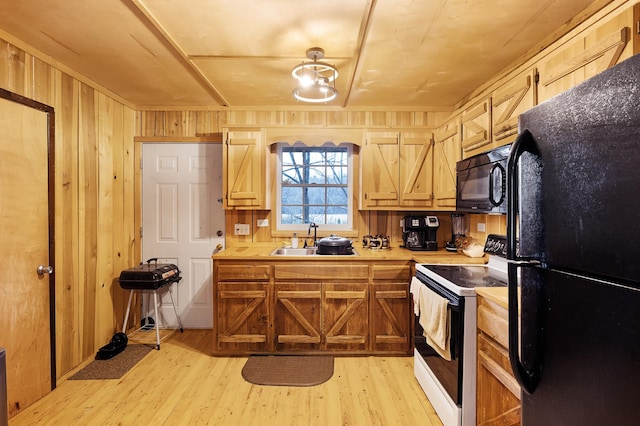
416,169
396,170
245,171
586,55
476,128
447,152
513,98
380,170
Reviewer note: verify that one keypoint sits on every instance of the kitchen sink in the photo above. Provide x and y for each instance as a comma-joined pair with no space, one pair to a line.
290,251
308,251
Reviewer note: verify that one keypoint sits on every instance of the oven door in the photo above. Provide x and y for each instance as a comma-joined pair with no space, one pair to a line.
448,373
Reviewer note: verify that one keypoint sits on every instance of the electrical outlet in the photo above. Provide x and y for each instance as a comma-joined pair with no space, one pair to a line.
241,229
482,227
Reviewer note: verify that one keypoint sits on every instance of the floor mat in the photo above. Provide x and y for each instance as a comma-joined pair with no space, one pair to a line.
115,367
288,370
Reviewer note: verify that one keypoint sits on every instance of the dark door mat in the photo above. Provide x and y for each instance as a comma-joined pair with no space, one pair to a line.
288,370
115,367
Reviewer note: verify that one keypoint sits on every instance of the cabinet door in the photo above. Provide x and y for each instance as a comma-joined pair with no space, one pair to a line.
508,102
390,317
243,317
297,316
245,177
447,153
498,393
476,128
345,322
586,55
416,169
380,170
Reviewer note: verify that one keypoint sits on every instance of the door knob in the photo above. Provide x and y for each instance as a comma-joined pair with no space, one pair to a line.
44,270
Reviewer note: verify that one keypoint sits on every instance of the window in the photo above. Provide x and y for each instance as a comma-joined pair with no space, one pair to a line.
314,185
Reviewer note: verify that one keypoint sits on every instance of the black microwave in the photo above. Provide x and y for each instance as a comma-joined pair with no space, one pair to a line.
481,182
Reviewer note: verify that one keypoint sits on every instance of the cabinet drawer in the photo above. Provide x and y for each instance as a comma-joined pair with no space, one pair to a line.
495,359
391,272
492,320
244,272
321,272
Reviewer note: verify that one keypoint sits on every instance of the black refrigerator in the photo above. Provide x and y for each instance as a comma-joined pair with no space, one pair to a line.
573,231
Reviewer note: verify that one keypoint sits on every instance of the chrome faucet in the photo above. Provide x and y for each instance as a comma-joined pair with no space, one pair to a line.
315,234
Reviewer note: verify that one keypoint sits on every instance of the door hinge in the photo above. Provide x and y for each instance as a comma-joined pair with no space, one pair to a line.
141,232
141,164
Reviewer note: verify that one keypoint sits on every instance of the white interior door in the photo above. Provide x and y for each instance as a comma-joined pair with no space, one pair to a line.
183,223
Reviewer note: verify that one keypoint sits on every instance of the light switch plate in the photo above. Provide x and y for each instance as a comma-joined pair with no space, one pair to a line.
482,227
263,223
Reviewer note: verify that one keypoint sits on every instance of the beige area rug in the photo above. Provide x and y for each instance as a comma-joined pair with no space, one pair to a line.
115,367
288,370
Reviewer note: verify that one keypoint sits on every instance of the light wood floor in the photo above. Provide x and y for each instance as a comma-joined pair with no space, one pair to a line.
182,384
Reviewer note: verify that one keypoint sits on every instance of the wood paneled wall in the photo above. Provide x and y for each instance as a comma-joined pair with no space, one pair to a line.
94,233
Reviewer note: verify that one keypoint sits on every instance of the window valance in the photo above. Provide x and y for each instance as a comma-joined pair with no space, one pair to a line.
314,137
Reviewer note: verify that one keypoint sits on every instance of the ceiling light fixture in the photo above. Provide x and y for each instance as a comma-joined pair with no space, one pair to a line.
316,80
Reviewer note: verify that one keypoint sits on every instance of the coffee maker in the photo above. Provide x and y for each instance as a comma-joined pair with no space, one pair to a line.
419,232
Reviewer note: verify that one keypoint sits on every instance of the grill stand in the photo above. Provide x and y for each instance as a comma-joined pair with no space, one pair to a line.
155,307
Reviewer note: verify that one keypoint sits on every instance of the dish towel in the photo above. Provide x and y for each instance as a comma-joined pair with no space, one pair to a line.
435,319
414,289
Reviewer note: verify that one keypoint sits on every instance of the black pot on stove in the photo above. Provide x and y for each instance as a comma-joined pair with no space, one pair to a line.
335,245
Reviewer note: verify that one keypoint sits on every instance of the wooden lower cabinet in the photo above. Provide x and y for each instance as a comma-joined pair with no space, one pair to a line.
498,393
243,317
306,307
296,316
391,308
345,321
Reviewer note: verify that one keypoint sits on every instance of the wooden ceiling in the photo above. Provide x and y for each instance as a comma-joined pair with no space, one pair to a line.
239,53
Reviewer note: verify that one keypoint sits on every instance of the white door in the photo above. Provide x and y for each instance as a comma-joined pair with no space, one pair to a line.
183,223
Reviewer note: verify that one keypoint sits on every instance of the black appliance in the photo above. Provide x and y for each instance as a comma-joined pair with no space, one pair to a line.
420,232
481,182
573,179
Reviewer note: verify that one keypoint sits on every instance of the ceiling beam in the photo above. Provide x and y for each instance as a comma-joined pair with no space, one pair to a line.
365,26
181,53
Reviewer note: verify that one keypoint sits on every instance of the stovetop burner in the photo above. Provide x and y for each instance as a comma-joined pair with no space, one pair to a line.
463,279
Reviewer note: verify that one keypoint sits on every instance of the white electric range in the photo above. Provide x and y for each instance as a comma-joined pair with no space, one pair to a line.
450,385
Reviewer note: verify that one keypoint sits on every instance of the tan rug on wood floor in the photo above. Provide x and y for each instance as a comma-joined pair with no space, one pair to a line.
288,370
115,367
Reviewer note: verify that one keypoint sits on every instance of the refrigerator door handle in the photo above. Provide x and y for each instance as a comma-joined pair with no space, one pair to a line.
522,144
528,379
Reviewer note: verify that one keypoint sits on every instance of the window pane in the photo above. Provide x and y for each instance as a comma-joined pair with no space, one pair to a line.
290,157
317,215
337,196
337,175
317,175
292,215
316,195
291,195
337,215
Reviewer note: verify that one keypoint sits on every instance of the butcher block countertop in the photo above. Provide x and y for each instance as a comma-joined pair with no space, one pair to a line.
498,295
262,251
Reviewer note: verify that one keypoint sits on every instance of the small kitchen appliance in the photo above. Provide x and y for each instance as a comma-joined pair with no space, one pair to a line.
420,232
459,229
